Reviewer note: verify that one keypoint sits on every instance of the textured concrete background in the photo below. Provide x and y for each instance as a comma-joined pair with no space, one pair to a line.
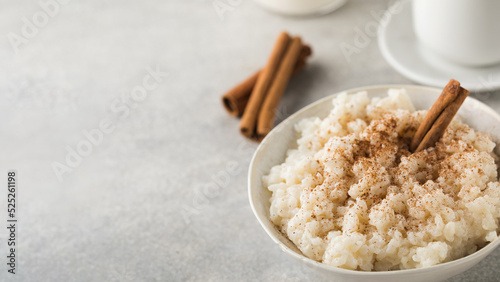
163,196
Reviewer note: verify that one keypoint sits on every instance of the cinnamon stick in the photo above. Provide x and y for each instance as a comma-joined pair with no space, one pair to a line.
305,52
268,111
441,123
448,95
236,99
249,119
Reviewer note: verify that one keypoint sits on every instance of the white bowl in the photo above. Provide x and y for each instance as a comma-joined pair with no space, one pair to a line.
301,7
272,152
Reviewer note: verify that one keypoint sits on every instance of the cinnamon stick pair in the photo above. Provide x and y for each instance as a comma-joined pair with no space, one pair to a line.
236,99
257,98
439,116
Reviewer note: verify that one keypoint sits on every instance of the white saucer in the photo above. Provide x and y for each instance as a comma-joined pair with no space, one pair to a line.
400,48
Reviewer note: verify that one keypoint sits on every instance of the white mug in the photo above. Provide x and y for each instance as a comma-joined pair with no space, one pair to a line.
465,32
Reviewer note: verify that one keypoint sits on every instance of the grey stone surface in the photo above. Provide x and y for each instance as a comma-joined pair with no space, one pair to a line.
163,197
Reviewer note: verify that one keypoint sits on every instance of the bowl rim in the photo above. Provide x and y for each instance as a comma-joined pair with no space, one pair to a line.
486,249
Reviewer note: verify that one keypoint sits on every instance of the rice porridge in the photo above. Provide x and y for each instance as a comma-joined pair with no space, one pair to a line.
352,195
